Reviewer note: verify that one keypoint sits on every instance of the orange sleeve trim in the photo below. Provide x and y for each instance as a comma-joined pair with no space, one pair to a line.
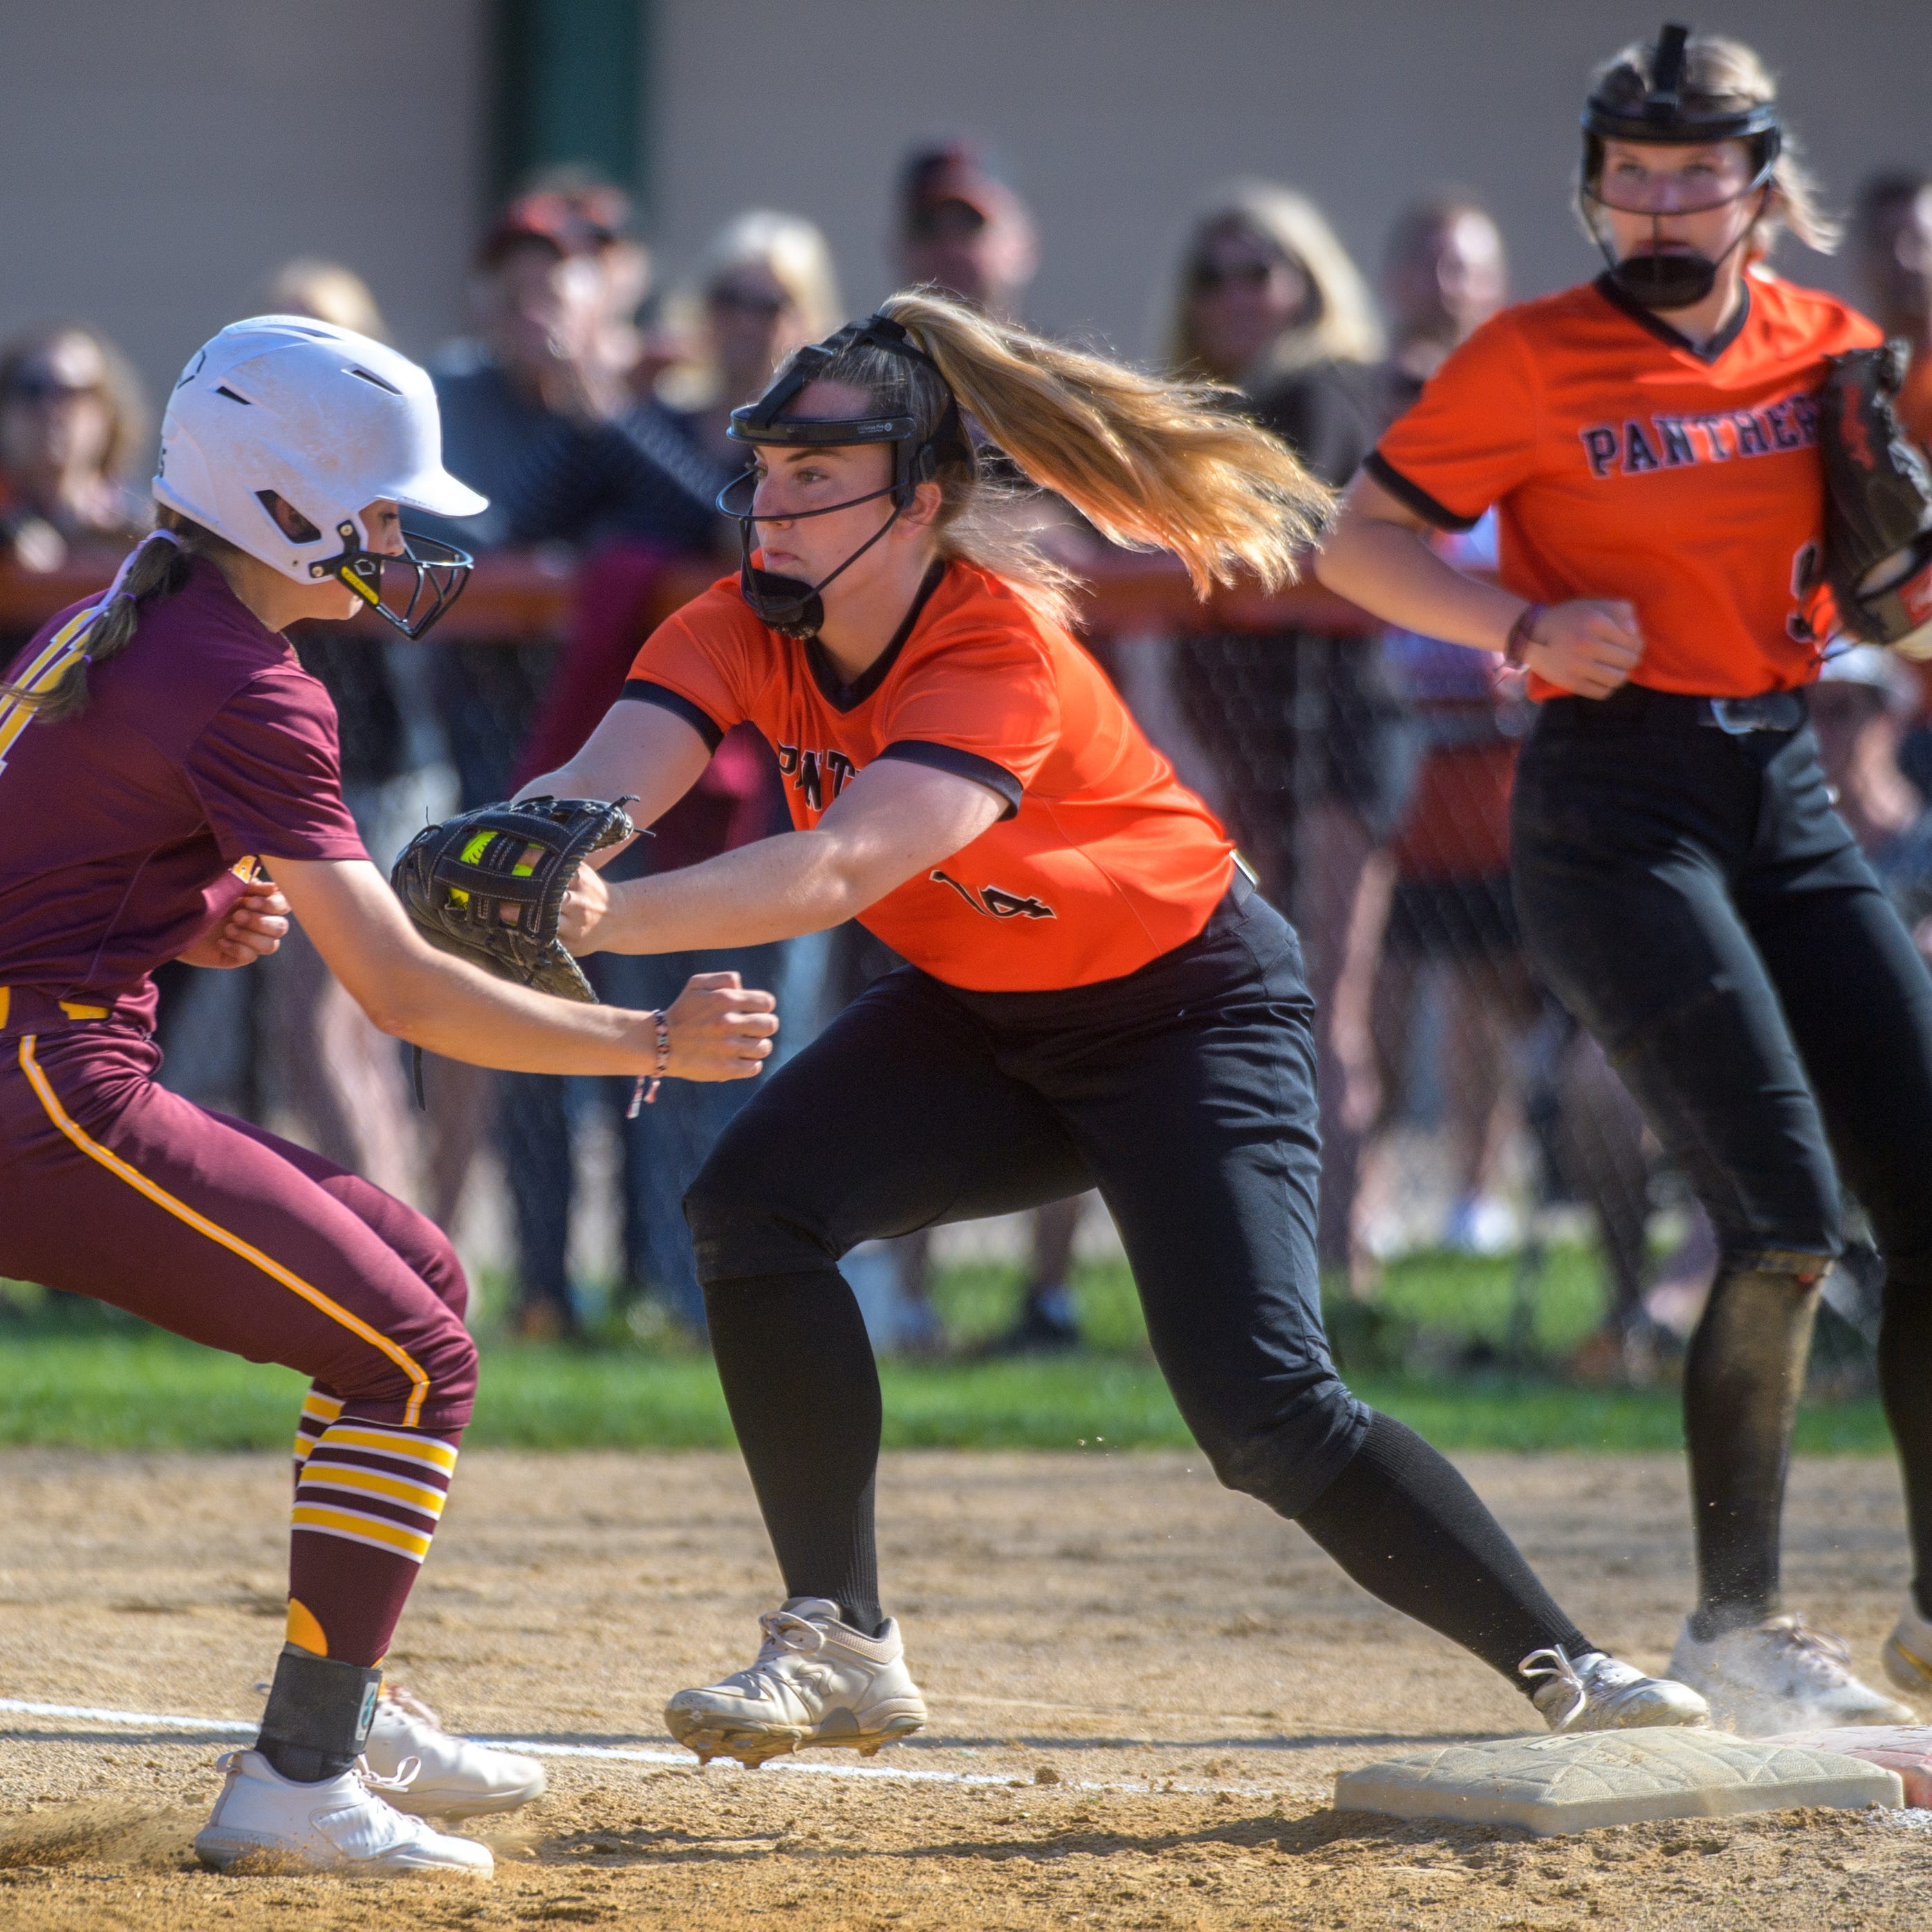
202,1225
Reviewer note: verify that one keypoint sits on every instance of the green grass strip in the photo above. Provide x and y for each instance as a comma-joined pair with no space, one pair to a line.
144,1391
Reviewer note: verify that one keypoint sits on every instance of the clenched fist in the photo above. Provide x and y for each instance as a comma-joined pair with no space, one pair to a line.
719,1029
255,926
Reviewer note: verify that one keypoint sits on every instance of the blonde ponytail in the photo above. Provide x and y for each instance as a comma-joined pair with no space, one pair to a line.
1150,463
158,566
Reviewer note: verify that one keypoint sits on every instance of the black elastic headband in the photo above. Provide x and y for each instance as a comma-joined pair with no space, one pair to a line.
762,421
1665,114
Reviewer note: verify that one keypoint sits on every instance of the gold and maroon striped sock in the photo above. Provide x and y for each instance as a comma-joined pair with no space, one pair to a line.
366,1503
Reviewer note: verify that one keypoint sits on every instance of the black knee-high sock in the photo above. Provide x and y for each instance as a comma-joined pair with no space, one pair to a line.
1741,1381
1904,1372
803,1390
1405,1526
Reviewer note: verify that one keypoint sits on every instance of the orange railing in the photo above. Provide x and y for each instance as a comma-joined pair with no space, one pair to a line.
521,597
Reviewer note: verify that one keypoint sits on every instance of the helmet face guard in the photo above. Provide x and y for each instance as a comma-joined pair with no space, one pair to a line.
1658,278
429,577
789,604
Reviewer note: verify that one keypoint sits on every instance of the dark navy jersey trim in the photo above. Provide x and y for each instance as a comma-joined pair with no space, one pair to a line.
1649,319
1414,496
996,779
844,697
700,721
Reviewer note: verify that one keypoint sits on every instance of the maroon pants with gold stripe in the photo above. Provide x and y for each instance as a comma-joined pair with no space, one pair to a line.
111,1187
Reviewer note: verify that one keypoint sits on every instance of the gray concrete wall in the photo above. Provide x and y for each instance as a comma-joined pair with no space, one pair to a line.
162,157
1117,114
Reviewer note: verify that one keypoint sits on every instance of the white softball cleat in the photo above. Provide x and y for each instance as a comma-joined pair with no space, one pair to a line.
1781,1676
1907,1655
815,1680
342,1824
1595,1692
454,1778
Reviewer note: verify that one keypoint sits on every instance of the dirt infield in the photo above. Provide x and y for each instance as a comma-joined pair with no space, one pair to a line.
1141,1688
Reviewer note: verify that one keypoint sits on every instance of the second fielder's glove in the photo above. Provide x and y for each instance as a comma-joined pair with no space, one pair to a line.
1878,505
457,880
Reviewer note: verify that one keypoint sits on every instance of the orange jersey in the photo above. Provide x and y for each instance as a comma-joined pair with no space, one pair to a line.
1102,859
1624,463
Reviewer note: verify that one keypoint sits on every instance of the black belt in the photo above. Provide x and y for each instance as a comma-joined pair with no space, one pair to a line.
1636,707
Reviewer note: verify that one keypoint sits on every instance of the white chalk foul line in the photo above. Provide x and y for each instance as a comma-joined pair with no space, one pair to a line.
232,1727
226,1727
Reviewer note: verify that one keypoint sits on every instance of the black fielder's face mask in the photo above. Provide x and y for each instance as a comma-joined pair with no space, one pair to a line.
789,604
1666,276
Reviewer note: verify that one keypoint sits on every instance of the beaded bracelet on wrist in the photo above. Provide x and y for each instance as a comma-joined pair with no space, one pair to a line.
642,1094
1522,634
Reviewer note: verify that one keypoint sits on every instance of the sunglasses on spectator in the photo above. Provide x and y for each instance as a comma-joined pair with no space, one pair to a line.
948,220
1209,278
36,385
749,302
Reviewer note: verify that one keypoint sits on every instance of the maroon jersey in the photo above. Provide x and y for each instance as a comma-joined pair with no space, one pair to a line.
125,833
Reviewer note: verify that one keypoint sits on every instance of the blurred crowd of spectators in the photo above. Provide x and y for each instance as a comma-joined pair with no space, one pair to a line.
1367,779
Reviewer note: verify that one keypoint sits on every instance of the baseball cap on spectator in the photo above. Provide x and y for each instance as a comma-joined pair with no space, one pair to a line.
955,173
596,201
545,216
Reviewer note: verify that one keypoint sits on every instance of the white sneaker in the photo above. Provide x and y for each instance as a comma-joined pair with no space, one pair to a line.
816,1680
1595,1692
1780,1675
1907,1654
343,1823
454,1778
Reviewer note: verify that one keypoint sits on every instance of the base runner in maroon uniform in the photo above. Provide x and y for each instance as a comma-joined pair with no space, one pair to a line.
160,750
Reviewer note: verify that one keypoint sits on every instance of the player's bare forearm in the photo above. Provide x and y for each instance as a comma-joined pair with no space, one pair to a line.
894,822
448,1006
718,1030
777,888
639,752
1378,556
443,1004
455,1010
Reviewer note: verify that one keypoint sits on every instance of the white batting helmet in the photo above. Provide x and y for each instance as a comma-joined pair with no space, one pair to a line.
329,421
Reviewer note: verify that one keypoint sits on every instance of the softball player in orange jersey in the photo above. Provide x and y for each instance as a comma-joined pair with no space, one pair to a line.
1648,441
1095,995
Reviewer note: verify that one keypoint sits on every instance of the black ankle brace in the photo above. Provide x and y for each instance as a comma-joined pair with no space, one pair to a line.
319,1715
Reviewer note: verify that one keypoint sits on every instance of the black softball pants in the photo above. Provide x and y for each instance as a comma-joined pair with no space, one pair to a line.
1185,1092
1695,901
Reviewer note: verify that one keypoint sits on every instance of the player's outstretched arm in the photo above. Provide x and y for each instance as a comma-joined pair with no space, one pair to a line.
892,823
640,751
718,1030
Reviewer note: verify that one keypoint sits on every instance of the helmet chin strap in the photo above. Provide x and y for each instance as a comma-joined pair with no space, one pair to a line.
789,605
